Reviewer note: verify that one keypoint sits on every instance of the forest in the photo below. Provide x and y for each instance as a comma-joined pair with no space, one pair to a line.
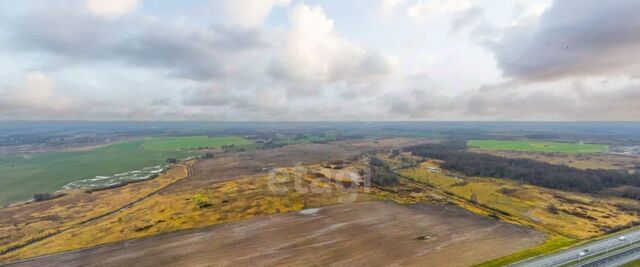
561,177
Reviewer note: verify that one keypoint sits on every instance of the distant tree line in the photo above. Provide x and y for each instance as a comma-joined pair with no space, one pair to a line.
538,173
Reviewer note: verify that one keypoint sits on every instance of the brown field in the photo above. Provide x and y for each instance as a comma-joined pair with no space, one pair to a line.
231,166
226,210
366,233
61,224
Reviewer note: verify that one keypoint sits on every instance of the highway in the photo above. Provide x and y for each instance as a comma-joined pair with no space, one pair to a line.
601,246
617,258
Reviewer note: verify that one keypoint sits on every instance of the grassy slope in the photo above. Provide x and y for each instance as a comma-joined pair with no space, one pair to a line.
537,146
48,172
632,264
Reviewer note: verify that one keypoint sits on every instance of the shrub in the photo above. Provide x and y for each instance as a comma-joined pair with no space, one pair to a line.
46,196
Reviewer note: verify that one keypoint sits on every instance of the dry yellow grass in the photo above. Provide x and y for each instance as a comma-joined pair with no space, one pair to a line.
253,196
578,161
20,225
219,203
573,215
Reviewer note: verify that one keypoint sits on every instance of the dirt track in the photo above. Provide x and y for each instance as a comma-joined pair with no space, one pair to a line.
372,233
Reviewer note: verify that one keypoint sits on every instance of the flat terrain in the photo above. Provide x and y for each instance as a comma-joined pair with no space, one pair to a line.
233,186
25,175
234,165
193,142
603,161
578,216
537,146
22,224
369,233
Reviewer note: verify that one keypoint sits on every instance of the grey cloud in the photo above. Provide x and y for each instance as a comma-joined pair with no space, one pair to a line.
492,101
374,63
573,38
352,69
38,98
420,104
257,104
467,18
161,102
578,102
209,96
188,52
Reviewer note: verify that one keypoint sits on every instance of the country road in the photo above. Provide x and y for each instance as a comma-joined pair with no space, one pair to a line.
572,255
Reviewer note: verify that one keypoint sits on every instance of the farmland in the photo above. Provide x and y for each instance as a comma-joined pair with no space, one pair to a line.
25,175
193,142
359,234
232,190
537,146
304,139
203,199
604,161
572,215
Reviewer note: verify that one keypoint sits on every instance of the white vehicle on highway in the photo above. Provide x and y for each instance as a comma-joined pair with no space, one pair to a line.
583,252
622,238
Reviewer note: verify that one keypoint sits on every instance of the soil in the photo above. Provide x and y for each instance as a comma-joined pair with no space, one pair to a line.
360,234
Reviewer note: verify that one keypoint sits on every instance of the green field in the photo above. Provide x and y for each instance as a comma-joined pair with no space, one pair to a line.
537,146
306,139
193,142
23,176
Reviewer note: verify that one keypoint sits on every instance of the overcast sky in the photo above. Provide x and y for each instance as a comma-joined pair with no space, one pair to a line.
291,60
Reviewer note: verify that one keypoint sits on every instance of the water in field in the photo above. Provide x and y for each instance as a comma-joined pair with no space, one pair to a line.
22,176
626,150
120,178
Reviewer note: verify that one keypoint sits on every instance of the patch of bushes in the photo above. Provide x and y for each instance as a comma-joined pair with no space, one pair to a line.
553,209
143,228
40,197
625,191
507,190
628,208
202,201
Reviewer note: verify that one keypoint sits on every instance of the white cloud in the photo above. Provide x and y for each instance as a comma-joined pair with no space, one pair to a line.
313,52
38,98
36,95
426,8
528,11
387,7
250,13
112,8
238,67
